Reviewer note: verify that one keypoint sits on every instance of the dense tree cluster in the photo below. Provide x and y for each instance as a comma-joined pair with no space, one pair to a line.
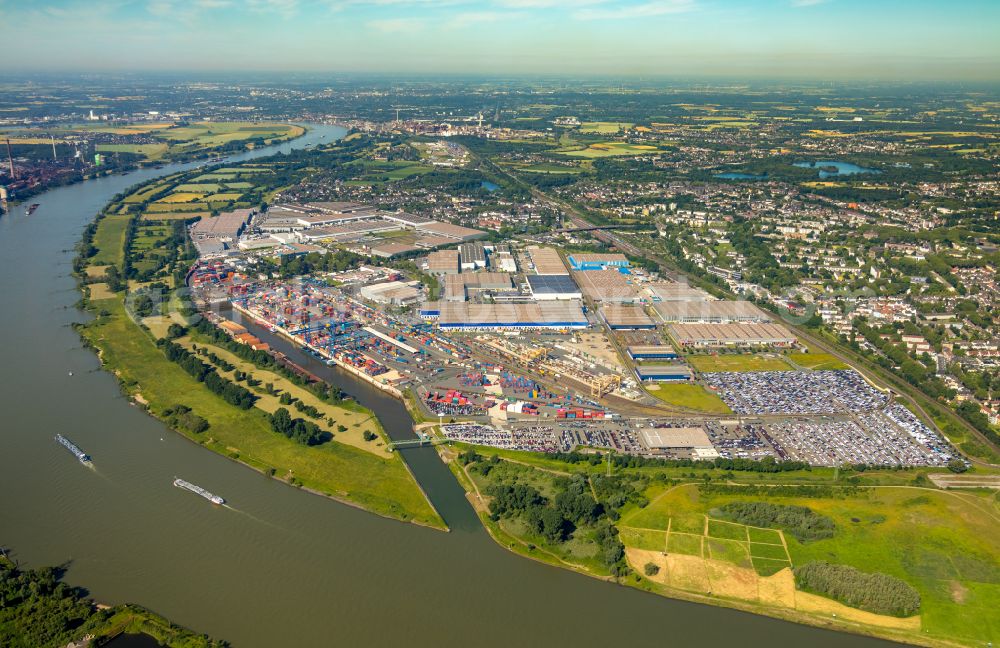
299,430
227,390
878,593
573,507
38,610
802,522
180,417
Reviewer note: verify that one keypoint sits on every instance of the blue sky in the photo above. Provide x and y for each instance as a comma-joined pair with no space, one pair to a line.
835,39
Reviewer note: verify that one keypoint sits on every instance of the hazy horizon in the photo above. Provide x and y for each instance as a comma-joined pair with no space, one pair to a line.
921,40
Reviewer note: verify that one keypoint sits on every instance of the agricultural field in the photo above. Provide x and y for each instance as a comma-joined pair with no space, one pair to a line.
608,149
689,396
737,362
209,135
605,127
944,544
176,141
181,197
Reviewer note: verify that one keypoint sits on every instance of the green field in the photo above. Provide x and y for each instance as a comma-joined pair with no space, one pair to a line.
150,151
689,396
818,361
550,168
945,544
109,240
198,187
737,362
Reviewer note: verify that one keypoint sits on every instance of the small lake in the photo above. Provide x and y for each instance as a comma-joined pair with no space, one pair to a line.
832,168
732,175
489,186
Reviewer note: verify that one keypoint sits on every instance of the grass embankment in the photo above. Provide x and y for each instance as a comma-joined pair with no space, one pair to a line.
689,396
346,468
737,362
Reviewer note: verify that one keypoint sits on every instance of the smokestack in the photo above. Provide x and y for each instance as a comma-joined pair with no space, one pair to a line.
54,156
10,160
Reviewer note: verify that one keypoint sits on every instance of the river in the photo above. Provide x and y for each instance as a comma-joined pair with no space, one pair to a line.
283,567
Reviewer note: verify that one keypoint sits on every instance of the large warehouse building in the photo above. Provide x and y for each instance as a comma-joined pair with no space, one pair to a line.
607,286
465,316
689,439
553,287
710,312
731,335
627,317
652,353
546,261
663,373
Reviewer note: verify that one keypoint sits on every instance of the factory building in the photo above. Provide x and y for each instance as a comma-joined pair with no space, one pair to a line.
397,293
473,256
597,261
503,260
460,287
443,262
457,232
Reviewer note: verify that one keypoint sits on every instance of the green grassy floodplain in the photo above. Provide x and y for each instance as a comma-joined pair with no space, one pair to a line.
381,485
913,533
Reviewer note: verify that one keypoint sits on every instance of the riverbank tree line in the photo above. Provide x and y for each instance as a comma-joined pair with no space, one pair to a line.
203,373
765,465
263,360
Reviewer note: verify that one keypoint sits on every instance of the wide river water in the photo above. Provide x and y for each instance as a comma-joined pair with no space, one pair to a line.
282,567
